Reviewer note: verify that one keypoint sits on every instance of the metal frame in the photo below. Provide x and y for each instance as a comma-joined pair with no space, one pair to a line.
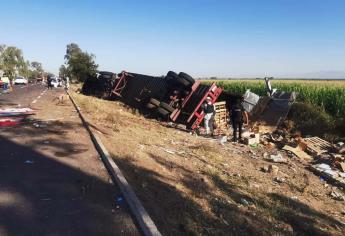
214,93
120,83
174,115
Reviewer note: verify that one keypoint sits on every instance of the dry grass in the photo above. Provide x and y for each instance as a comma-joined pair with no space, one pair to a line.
195,186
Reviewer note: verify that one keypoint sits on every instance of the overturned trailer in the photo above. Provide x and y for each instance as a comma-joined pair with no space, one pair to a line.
175,97
268,111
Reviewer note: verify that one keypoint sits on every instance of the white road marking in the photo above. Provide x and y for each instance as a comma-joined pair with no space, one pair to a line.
23,87
38,97
34,101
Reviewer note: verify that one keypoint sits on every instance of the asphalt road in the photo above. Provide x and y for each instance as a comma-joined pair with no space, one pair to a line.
22,95
52,181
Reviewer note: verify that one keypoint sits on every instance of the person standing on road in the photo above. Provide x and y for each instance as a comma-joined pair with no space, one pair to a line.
6,82
209,110
49,83
67,83
236,115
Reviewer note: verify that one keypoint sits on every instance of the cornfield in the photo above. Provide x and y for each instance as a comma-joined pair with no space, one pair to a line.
329,95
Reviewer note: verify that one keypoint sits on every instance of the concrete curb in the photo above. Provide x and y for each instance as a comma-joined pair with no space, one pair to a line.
145,222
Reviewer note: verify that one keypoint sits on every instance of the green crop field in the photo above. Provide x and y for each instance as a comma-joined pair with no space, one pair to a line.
329,95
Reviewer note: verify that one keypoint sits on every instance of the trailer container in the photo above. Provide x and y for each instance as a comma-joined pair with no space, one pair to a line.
174,97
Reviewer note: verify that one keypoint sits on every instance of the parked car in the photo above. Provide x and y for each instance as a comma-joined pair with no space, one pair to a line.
56,82
20,80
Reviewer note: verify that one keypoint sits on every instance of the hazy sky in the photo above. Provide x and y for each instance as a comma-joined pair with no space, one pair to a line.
200,37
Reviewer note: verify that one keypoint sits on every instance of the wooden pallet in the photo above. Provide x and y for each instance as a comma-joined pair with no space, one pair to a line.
221,118
316,145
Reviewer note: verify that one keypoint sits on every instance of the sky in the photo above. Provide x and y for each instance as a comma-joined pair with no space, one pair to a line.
281,38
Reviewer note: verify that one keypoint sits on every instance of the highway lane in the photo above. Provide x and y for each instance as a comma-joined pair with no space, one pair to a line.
52,181
22,95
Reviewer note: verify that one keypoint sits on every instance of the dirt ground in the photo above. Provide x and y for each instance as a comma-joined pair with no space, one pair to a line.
192,185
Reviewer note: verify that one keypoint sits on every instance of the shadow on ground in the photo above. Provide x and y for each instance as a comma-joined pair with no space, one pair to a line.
48,135
39,195
238,213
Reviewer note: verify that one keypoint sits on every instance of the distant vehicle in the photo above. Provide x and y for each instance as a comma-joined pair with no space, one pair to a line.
20,80
39,80
56,82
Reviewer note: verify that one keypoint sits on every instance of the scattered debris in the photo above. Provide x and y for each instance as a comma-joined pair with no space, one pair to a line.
276,158
316,146
245,202
279,180
223,140
170,151
13,116
252,139
326,169
16,112
265,169
39,125
326,172
119,200
273,169
298,152
336,195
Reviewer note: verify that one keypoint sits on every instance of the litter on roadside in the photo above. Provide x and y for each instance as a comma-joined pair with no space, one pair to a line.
13,116
278,158
298,152
16,112
336,195
39,125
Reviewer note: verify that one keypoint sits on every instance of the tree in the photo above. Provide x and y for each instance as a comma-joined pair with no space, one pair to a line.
23,69
37,66
63,72
80,65
36,70
11,60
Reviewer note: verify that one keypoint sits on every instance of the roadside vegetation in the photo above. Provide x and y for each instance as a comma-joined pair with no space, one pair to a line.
79,65
12,63
319,109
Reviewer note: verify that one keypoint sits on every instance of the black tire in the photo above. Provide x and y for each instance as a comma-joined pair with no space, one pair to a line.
183,81
186,92
172,74
166,106
154,102
162,111
186,77
150,106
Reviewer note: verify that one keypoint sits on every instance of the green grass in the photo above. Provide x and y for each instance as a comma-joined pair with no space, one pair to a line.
328,95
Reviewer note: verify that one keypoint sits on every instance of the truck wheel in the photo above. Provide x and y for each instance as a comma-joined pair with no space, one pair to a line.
172,74
150,106
154,102
183,81
162,111
186,92
166,106
186,77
